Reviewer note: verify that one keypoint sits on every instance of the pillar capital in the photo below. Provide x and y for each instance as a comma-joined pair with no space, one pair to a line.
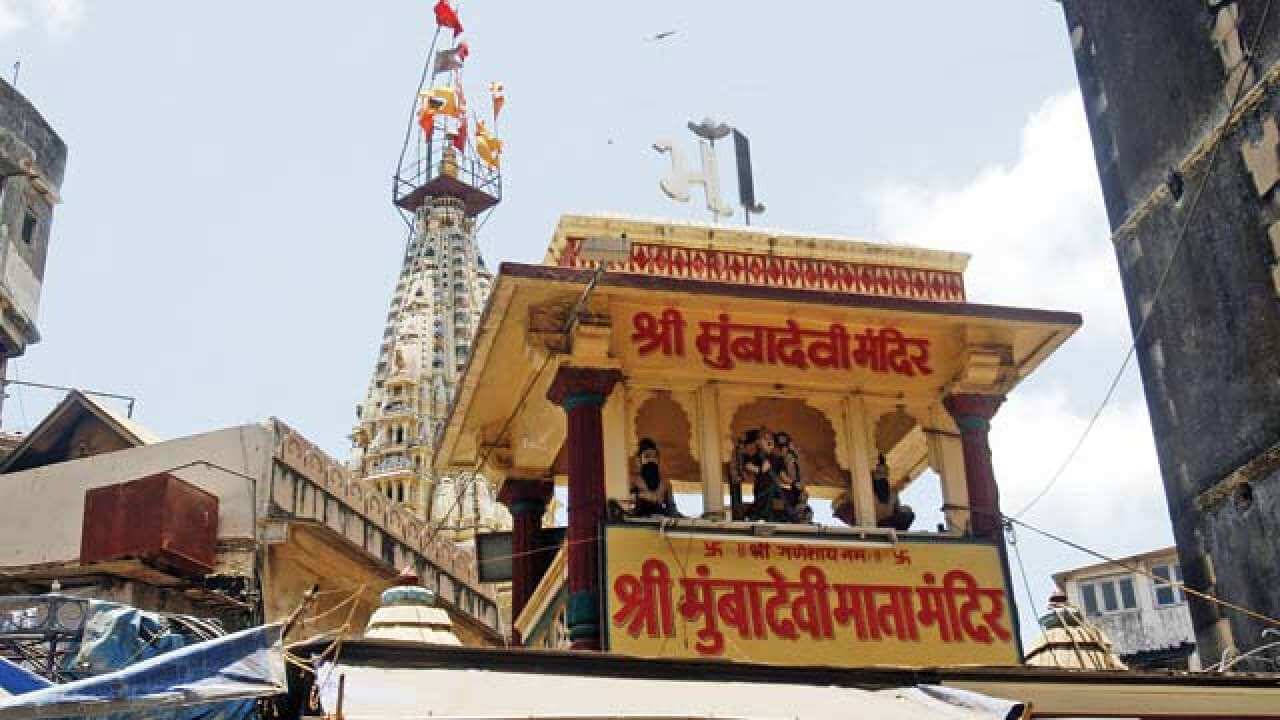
524,496
970,408
575,386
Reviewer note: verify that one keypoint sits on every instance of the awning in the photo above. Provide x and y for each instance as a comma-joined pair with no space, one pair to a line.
213,674
382,693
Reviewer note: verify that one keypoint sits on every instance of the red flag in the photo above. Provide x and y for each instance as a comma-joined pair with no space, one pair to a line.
462,51
446,17
460,140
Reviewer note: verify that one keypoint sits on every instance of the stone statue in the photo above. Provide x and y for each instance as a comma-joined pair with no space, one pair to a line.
890,512
769,462
651,493
795,497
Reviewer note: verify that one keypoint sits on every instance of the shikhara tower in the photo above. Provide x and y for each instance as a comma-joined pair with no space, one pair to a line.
445,180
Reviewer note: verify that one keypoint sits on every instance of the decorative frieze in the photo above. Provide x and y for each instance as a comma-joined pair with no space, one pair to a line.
747,268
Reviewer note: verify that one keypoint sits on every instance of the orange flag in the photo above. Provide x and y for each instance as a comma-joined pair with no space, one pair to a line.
488,147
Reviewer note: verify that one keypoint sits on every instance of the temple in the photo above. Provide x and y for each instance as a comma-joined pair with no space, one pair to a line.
767,374
731,415
449,175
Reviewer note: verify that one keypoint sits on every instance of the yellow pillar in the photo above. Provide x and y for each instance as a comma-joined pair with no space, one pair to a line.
860,449
946,457
709,450
617,461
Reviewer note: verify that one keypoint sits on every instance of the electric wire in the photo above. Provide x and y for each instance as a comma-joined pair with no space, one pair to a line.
1139,571
22,406
1160,285
484,456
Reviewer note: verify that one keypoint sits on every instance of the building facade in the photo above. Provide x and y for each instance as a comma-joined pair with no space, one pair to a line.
288,518
1146,620
32,161
436,305
1182,95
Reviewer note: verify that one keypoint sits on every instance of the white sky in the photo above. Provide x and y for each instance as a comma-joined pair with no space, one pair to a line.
226,247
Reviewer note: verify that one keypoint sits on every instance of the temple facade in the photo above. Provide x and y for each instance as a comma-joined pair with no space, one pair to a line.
436,305
762,372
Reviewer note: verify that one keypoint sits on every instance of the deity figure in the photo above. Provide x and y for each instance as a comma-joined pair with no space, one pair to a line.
651,494
769,462
795,497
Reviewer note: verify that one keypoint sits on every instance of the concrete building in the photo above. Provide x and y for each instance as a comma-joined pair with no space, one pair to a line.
1201,272
288,517
1147,622
32,160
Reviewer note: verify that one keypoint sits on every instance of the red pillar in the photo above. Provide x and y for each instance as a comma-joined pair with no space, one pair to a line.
973,415
582,392
527,500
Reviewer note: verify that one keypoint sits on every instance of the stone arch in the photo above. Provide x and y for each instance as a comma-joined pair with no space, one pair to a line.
663,419
899,436
812,434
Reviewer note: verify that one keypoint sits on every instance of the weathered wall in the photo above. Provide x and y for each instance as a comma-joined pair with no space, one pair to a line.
20,117
1157,80
1145,629
41,522
25,137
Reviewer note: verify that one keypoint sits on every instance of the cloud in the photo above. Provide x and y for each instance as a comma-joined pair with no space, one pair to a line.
1037,228
59,18
1038,234
11,19
63,17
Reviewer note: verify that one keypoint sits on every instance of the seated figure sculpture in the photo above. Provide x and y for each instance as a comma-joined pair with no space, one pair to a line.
890,512
770,464
651,494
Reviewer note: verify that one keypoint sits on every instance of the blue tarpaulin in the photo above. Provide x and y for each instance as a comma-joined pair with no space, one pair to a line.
16,680
213,680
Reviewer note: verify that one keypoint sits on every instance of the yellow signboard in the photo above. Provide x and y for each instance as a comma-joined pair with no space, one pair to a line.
802,601
830,347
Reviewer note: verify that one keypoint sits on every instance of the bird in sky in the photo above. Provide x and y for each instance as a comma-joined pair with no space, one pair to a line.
662,35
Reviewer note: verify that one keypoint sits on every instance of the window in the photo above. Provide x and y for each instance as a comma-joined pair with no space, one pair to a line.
1167,595
1115,594
29,223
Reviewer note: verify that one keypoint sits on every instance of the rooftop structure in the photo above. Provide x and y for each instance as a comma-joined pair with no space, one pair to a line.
757,392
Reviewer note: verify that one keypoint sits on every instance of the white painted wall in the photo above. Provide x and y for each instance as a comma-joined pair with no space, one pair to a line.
1149,627
42,510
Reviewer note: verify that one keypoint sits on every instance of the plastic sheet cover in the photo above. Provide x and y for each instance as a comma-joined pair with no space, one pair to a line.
15,680
389,693
214,680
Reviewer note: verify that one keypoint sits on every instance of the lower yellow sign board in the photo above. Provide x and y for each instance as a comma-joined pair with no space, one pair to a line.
802,601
